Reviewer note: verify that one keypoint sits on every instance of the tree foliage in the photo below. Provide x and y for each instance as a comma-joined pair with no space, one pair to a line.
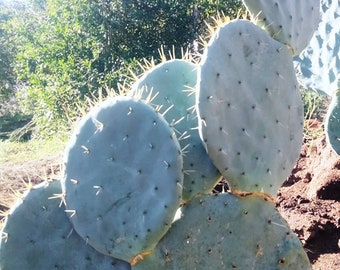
67,50
7,79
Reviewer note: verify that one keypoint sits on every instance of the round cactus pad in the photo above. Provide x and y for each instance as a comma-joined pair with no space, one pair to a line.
226,231
38,235
123,177
291,22
173,85
250,107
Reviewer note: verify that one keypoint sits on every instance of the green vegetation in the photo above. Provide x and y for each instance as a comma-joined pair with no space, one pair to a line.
315,108
315,104
58,53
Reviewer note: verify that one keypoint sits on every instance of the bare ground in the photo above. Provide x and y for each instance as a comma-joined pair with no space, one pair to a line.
309,200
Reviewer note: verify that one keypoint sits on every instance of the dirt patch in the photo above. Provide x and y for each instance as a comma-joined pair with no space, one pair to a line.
309,200
15,178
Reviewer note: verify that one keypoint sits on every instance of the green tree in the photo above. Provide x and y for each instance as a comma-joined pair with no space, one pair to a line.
7,78
9,9
69,50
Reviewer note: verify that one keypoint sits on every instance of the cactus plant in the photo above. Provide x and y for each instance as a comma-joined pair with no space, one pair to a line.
234,232
123,177
124,166
291,22
38,235
172,83
318,66
250,107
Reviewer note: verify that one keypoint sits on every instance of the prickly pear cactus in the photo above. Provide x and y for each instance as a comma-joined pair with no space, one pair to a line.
250,108
123,177
173,84
234,232
291,22
318,66
332,122
38,235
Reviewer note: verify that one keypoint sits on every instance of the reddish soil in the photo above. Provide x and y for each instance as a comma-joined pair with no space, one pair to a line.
309,200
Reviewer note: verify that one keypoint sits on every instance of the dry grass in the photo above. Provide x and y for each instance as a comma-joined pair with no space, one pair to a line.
18,152
23,164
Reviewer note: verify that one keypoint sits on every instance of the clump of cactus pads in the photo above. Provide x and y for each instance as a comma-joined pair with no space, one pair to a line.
332,122
123,177
172,84
318,66
291,22
38,235
234,232
250,107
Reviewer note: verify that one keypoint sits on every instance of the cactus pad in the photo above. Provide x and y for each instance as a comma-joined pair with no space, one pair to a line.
226,231
39,235
172,84
123,177
332,122
318,66
291,22
250,107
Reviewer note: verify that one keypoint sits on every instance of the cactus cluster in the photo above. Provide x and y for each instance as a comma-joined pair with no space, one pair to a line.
140,169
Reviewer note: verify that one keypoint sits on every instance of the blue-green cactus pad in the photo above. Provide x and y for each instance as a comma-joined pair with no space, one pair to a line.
38,235
318,66
291,22
123,177
173,83
226,231
332,122
250,107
